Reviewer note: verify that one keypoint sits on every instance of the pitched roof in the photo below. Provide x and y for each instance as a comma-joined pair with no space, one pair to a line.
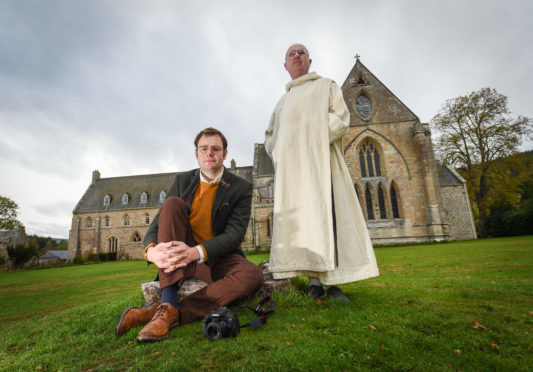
59,253
134,186
116,187
386,107
245,172
448,176
262,162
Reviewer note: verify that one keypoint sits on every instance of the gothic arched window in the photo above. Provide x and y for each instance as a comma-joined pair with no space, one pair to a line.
107,200
369,208
89,222
136,237
162,196
125,198
394,202
381,200
268,226
144,197
106,219
147,218
112,244
126,220
377,163
369,160
362,162
270,190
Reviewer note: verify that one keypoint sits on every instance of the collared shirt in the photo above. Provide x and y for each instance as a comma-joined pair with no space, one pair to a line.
216,179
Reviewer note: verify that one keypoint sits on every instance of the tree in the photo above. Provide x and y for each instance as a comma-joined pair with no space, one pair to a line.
8,213
475,131
21,253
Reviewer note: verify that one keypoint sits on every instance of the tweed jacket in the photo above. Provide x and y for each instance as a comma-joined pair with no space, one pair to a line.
229,217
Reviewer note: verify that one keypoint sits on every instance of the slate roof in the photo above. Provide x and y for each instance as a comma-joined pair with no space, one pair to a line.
448,176
59,253
246,172
262,161
53,255
134,186
115,187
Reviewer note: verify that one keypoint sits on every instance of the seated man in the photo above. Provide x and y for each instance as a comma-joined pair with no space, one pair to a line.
197,233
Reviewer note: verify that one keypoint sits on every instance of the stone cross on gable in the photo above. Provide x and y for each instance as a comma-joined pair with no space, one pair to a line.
357,57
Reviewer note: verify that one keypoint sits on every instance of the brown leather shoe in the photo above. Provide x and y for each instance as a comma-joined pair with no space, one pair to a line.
165,318
135,316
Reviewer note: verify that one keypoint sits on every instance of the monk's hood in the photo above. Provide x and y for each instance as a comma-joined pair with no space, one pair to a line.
302,80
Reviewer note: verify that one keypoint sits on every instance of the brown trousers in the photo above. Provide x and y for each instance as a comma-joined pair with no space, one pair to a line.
232,277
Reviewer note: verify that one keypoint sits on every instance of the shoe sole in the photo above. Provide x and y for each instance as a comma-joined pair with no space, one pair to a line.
121,319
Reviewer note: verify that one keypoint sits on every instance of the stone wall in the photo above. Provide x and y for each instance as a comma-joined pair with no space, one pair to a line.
95,239
12,238
458,213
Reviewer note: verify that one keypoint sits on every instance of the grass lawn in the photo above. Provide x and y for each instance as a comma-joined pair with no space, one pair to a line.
417,315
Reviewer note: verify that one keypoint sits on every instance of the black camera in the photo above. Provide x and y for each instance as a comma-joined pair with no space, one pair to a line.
221,323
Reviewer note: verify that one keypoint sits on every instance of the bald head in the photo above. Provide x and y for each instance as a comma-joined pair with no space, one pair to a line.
297,61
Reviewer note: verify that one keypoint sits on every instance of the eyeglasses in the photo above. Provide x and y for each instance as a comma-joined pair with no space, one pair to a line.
205,149
292,53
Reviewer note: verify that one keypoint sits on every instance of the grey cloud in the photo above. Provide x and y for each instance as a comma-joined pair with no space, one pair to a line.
123,86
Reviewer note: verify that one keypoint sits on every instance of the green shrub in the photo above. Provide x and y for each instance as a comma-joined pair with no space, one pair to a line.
20,254
93,257
112,256
2,260
103,257
78,260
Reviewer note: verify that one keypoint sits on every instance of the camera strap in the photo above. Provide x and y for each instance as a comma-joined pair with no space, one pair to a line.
264,308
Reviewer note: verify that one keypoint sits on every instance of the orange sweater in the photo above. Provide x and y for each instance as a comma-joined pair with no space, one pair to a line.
200,214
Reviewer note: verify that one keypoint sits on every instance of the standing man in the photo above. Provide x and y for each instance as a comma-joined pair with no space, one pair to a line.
197,233
319,230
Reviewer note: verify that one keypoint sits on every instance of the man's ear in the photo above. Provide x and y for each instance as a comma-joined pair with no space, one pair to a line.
310,61
225,154
285,65
196,153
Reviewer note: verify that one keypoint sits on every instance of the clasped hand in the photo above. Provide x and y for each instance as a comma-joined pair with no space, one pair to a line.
170,256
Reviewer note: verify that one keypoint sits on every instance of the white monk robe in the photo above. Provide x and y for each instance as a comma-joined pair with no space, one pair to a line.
304,140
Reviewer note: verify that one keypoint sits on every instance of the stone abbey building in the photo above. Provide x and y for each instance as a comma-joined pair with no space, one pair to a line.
405,194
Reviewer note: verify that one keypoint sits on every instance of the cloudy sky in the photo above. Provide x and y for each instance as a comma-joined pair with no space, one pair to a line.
123,86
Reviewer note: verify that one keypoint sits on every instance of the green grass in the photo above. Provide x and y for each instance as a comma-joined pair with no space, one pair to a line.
422,307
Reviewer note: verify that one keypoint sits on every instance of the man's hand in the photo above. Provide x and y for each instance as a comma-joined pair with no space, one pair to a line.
170,256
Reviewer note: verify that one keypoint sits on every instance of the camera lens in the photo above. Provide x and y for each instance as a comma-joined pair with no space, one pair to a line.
213,332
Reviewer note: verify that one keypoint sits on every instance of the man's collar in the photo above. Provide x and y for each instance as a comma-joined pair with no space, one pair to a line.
301,80
216,179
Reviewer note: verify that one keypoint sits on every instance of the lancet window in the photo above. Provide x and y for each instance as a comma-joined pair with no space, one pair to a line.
381,201
394,202
369,160
368,202
112,244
